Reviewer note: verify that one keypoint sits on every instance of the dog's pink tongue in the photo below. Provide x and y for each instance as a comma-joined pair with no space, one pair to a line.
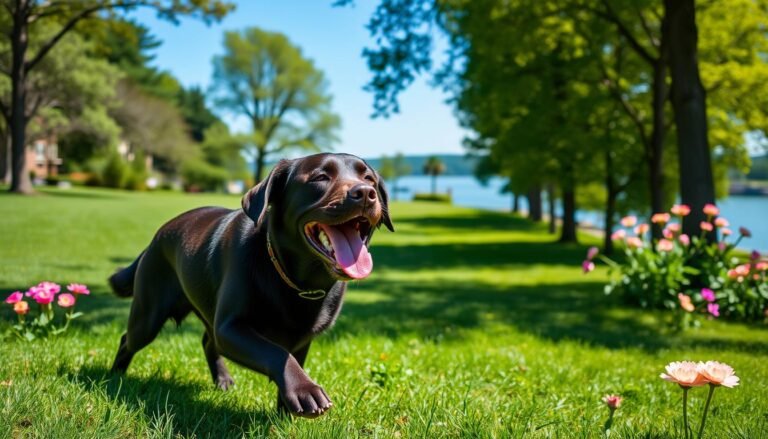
349,249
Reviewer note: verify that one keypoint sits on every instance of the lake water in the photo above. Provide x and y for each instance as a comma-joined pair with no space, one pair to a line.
749,212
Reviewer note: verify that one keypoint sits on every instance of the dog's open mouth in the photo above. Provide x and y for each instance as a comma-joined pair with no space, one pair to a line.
344,245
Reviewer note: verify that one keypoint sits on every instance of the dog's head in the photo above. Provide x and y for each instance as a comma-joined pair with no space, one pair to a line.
326,204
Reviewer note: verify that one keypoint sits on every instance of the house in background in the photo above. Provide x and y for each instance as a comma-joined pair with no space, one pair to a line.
43,158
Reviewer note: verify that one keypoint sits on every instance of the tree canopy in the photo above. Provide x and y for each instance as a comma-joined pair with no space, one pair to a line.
261,75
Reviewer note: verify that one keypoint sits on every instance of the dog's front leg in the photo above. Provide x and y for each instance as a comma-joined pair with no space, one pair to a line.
240,343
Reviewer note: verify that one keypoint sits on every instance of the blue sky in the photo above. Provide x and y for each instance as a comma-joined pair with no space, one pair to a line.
334,39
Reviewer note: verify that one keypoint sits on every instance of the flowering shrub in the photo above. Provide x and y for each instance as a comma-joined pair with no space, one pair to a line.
44,324
691,274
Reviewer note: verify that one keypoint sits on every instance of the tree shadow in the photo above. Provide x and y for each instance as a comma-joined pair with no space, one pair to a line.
482,220
177,403
555,311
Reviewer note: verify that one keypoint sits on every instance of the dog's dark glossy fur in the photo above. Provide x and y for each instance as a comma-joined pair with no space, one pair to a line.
214,262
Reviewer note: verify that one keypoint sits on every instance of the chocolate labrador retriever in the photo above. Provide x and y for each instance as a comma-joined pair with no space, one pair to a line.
264,280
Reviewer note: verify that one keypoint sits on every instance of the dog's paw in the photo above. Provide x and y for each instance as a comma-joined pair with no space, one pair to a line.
224,382
306,399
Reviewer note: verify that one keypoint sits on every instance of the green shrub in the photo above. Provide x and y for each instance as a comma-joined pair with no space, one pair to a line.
115,172
199,175
440,198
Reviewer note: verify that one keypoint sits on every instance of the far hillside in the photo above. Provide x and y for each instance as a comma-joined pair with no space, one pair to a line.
455,164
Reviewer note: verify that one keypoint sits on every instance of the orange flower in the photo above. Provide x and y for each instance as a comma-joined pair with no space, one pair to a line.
641,229
21,307
665,245
660,218
685,302
634,242
683,373
721,222
718,374
711,210
680,209
628,221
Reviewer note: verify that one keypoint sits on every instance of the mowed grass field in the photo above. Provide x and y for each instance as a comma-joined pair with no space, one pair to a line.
473,324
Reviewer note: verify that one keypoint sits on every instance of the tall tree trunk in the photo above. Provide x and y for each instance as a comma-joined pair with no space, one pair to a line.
534,204
515,203
4,156
259,171
658,133
17,126
610,204
697,186
568,229
551,208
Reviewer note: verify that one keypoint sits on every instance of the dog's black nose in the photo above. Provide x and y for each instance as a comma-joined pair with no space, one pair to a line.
360,192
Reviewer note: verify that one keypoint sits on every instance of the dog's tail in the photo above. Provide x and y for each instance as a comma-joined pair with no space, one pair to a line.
122,281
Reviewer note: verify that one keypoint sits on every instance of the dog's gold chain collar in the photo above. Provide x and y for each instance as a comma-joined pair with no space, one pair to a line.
310,295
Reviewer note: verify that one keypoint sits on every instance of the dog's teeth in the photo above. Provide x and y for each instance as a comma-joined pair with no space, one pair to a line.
325,241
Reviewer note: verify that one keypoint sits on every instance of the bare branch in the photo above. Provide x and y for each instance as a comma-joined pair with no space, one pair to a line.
610,15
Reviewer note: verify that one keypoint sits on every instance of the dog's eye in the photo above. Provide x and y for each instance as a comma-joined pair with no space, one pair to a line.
370,178
320,177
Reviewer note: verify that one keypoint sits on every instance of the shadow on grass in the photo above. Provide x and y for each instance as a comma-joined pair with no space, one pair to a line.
175,405
486,221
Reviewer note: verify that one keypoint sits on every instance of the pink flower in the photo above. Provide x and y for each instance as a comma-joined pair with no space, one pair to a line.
34,291
78,289
619,234
718,374
721,246
587,266
668,234
665,245
628,221
721,222
21,307
680,209
66,300
706,226
745,232
44,296
612,401
592,252
711,210
684,239
761,266
54,288
674,227
713,309
742,270
683,373
660,218
726,231
707,294
634,242
641,229
15,297
685,302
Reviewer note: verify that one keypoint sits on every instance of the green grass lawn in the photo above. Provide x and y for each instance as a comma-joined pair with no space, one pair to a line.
473,324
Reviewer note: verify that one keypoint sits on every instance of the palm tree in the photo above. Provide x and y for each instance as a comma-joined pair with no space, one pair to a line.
434,167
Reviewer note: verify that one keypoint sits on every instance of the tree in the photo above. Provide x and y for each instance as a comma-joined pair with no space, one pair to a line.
25,15
264,77
392,169
434,167
70,91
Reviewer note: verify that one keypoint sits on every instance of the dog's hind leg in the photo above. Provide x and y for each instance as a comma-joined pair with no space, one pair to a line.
157,293
219,372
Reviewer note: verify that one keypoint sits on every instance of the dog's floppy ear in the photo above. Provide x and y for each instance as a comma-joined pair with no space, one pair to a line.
256,201
384,197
